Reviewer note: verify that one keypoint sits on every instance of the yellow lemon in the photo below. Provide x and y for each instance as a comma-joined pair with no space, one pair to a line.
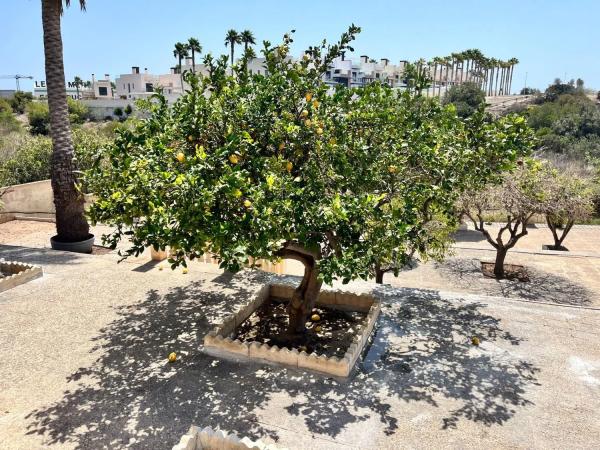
172,357
304,114
180,157
475,340
315,104
237,193
160,267
185,270
315,317
281,146
318,328
319,131
190,138
332,141
233,159
307,122
247,203
392,169
289,166
308,96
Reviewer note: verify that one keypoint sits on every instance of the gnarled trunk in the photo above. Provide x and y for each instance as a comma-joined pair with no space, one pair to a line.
304,298
499,263
71,225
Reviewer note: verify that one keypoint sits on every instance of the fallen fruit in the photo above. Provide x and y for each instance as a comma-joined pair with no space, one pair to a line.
185,270
315,317
180,157
160,267
475,340
172,357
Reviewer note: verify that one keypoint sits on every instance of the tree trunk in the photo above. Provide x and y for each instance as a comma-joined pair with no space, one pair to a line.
303,299
379,276
499,264
193,61
232,51
71,225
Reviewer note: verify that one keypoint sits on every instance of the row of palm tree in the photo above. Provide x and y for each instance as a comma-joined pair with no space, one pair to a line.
492,75
182,50
233,37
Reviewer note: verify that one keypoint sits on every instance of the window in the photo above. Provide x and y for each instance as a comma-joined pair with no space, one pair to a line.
129,88
103,91
149,87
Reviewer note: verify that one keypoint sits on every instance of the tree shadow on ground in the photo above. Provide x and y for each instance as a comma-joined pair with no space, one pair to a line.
542,286
421,352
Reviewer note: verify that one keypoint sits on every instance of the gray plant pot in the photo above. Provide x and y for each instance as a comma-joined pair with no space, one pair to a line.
84,246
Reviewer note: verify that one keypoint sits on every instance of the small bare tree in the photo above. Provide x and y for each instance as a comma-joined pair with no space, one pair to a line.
517,198
569,198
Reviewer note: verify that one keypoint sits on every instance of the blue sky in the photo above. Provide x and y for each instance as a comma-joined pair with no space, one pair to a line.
551,38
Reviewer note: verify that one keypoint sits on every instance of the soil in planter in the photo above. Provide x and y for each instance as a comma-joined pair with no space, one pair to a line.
331,335
555,248
100,250
511,271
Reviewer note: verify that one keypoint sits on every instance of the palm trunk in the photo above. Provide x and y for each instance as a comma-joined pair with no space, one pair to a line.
181,73
232,51
433,82
71,225
509,84
496,88
499,264
193,61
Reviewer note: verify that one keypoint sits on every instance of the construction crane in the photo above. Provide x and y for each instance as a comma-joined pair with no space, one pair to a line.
17,78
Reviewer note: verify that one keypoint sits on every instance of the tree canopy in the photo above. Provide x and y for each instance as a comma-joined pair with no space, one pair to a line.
280,166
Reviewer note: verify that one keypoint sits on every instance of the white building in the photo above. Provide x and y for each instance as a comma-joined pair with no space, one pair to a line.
88,90
352,74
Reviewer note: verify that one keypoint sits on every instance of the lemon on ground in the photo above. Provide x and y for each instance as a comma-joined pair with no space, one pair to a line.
172,357
475,340
315,317
160,267
185,270
233,159
180,157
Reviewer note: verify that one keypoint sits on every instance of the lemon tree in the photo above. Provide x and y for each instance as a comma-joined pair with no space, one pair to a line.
283,166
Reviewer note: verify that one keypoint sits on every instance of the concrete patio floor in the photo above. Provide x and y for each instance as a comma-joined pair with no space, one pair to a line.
84,350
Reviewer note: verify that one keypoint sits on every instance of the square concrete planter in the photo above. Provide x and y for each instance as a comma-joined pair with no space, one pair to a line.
16,273
209,439
219,341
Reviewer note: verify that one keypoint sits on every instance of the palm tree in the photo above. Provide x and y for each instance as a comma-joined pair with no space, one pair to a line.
232,38
71,225
194,46
513,62
247,38
77,82
497,73
180,52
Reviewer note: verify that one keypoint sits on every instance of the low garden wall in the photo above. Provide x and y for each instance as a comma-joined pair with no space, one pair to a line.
29,200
